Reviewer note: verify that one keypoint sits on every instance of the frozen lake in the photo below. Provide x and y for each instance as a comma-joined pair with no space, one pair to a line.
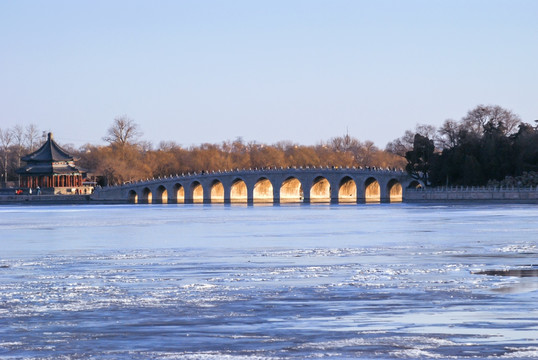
269,282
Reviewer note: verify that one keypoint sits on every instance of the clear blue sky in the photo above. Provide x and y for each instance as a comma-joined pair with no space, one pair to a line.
207,71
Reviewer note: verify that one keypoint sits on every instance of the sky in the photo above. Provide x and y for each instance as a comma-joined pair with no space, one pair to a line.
207,71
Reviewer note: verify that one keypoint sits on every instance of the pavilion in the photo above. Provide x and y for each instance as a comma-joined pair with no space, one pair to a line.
50,168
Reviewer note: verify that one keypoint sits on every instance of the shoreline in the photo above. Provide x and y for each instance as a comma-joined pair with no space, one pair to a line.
52,200
87,200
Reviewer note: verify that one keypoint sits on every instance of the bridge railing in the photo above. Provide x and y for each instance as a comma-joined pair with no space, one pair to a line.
251,170
474,189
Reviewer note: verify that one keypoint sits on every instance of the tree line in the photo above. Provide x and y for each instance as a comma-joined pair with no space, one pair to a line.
128,157
490,145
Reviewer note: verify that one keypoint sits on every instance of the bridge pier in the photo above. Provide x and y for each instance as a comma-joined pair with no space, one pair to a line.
335,198
207,194
189,193
384,194
306,188
276,195
227,196
250,195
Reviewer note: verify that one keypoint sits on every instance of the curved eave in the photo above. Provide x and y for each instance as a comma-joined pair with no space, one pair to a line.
47,169
48,152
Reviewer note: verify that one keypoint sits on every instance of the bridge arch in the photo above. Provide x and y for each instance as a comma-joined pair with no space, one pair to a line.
161,195
291,190
372,190
238,191
217,192
320,190
263,190
147,196
197,192
395,191
133,197
347,190
178,194
415,184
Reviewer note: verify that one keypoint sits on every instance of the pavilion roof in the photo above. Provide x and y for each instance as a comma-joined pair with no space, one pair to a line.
49,152
49,169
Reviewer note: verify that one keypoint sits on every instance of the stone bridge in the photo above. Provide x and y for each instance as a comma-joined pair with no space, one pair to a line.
273,185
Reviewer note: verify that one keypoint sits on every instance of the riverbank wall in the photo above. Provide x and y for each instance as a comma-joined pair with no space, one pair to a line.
471,194
45,199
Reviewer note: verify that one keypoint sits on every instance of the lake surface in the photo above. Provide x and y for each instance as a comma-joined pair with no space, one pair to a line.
269,282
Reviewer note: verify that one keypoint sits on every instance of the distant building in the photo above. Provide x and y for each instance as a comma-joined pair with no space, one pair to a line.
51,168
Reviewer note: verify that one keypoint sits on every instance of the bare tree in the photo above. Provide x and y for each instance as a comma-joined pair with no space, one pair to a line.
426,130
343,143
18,137
6,136
122,132
364,154
449,134
404,143
145,146
31,136
477,118
168,146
